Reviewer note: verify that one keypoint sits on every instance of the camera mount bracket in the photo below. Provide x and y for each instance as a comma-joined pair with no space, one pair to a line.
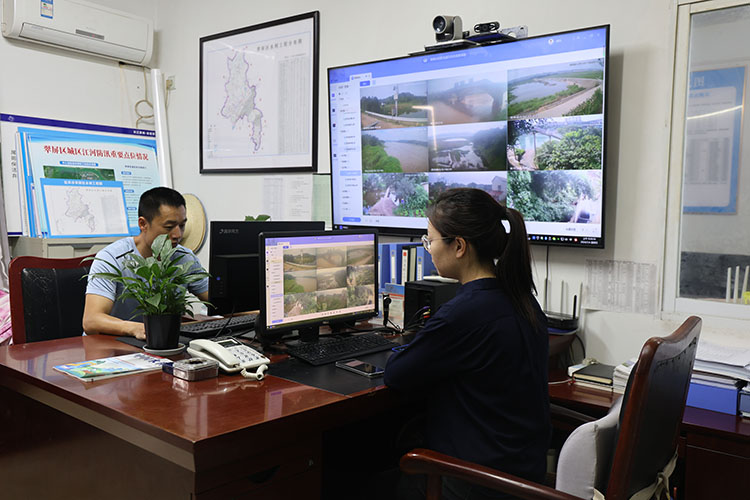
501,36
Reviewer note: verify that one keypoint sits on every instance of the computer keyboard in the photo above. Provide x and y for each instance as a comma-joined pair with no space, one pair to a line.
327,350
210,328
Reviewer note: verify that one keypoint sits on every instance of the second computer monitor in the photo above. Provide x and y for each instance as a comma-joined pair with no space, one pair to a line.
233,261
309,279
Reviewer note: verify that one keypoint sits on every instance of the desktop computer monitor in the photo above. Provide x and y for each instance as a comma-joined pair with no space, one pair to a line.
309,279
233,261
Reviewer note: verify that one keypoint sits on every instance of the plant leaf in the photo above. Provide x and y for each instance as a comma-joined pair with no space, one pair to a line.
154,300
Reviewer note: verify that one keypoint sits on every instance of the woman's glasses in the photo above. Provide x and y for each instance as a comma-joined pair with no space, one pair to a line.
427,242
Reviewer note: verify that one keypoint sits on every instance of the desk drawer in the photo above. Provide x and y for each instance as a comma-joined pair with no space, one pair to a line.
292,471
714,468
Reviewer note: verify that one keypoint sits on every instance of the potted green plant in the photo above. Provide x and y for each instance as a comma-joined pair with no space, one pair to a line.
159,286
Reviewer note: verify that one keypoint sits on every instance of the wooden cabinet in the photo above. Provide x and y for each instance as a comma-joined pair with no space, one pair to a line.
292,471
716,454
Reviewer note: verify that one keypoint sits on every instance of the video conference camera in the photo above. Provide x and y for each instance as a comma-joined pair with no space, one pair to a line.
448,28
449,34
490,27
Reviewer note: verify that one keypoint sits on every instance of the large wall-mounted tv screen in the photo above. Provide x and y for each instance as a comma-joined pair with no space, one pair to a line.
524,120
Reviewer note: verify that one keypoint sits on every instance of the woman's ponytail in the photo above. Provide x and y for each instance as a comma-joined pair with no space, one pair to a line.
513,265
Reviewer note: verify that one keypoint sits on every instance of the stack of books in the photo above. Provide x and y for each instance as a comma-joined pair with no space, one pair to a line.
622,374
719,374
595,376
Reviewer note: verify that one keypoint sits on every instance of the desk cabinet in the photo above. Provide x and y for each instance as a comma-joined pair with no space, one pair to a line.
717,454
292,471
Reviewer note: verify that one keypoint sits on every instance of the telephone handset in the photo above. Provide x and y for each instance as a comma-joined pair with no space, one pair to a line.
232,355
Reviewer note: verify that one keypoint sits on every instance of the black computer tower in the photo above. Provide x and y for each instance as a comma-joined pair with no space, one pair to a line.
426,293
233,261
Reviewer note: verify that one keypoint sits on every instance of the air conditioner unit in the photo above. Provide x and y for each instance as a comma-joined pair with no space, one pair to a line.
80,26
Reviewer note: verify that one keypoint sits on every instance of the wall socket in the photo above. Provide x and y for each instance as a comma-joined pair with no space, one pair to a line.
170,83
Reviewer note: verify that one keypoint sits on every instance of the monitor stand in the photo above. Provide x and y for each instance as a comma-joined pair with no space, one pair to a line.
309,334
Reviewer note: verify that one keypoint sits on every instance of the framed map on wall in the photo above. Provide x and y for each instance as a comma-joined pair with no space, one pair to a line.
259,97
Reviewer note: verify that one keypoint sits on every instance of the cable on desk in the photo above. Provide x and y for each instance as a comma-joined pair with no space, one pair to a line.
546,280
583,348
558,382
417,318
226,323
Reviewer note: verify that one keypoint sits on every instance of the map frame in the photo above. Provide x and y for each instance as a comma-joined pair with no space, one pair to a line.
253,116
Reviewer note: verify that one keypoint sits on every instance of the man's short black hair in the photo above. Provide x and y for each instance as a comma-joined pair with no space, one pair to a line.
152,200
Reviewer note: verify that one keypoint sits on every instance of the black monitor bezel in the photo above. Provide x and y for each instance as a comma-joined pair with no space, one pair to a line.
541,239
224,305
263,334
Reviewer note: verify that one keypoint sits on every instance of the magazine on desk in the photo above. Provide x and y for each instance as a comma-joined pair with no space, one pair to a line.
98,369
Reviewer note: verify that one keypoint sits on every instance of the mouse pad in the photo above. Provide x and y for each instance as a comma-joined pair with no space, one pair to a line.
328,377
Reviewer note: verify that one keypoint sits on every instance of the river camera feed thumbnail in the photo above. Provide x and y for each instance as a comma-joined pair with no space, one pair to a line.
328,278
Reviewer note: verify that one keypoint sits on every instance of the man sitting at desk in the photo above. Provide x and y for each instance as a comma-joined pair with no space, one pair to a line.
161,210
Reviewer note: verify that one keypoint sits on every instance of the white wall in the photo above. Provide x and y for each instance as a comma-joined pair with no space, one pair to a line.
53,83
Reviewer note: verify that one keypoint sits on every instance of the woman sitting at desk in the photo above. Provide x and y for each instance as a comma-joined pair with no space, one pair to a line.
481,360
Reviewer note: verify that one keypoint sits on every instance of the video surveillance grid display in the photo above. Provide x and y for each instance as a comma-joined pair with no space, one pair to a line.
311,279
523,120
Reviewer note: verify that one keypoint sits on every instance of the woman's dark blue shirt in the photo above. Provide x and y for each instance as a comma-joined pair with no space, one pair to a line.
483,371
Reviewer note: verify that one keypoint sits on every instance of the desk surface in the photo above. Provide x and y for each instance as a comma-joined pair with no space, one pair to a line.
189,412
597,402
157,402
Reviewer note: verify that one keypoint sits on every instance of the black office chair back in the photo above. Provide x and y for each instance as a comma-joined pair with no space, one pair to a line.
652,410
47,298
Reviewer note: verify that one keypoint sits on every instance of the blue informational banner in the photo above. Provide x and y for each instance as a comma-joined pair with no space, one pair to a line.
45,151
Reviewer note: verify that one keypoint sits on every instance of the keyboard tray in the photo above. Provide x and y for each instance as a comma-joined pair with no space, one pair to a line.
211,328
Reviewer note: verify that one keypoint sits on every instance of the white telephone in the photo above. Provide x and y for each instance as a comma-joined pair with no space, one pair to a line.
233,356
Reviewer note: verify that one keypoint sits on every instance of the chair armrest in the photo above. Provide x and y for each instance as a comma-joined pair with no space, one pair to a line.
571,416
433,463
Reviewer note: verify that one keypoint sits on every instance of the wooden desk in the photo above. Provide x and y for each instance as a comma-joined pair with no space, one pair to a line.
154,436
714,447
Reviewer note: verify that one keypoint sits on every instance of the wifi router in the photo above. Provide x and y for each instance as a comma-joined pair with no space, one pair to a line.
561,321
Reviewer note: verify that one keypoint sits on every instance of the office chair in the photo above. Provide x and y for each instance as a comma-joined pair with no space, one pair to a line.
642,449
47,297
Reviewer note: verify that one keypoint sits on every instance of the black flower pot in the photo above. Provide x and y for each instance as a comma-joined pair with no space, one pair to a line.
162,331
